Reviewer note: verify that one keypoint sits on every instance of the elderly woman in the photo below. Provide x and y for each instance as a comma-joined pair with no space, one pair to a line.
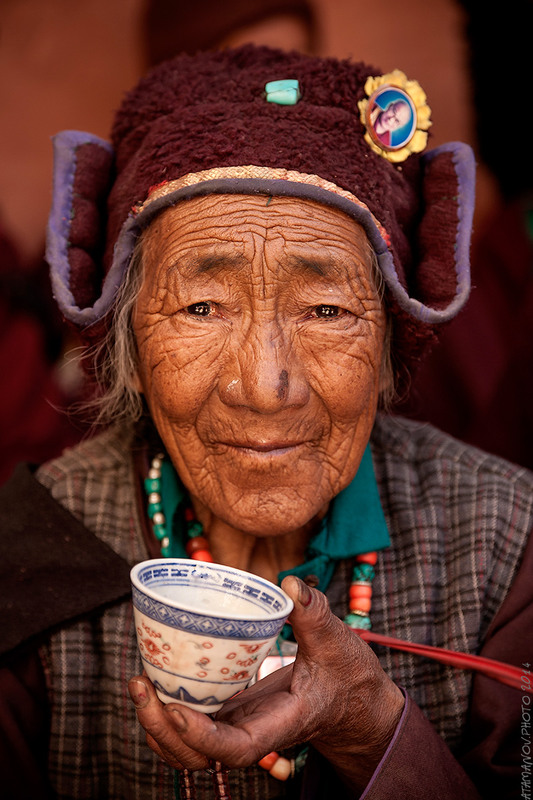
255,275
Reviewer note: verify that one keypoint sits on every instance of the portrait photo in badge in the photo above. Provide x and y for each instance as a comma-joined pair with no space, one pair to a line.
391,117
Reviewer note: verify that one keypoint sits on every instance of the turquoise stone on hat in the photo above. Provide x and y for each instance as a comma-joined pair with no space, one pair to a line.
283,93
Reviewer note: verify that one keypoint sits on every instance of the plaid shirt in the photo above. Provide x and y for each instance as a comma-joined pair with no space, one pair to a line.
458,520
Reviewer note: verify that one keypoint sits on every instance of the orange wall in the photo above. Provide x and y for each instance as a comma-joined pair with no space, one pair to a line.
66,64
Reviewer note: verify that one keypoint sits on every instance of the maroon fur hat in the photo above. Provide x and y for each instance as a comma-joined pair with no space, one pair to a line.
214,123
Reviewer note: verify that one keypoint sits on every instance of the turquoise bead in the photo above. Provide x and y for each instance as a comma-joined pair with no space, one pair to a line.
283,93
363,572
358,621
152,485
159,531
153,508
194,529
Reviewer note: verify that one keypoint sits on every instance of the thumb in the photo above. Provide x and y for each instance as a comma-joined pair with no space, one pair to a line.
316,629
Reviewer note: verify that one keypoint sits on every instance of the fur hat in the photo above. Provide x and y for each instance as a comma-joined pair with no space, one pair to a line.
215,123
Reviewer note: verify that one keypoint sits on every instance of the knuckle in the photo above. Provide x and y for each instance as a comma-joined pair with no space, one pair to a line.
322,607
240,760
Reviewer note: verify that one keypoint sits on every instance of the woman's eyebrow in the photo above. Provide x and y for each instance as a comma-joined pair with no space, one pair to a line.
316,265
191,265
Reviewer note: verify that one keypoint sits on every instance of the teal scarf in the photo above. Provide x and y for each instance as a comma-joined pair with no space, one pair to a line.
354,523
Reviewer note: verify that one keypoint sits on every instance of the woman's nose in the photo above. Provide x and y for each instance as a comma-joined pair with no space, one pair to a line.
264,373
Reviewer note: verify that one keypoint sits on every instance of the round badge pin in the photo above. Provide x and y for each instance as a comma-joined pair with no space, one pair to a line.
395,115
391,118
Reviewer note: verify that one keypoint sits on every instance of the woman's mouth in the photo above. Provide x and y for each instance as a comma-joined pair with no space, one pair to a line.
278,446
261,451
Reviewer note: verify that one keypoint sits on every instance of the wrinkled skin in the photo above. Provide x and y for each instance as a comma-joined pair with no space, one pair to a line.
260,336
260,339
335,696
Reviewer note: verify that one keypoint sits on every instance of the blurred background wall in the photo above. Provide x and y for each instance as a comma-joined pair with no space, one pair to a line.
66,64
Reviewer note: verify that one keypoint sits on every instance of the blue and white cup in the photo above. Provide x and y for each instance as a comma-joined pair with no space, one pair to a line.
203,629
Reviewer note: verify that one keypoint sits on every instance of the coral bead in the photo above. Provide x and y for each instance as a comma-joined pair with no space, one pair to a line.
367,558
281,769
202,555
196,543
360,604
360,590
268,761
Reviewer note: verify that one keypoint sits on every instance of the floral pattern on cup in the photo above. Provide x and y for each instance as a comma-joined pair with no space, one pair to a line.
203,630
156,652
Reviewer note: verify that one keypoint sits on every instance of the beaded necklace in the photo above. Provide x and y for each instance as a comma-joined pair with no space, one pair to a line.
197,548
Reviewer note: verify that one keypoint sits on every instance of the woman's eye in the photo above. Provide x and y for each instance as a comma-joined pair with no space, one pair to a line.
327,311
203,309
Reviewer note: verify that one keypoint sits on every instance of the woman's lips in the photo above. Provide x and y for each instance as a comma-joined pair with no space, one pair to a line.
263,448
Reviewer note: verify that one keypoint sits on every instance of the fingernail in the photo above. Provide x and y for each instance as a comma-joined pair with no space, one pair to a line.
178,720
138,693
304,593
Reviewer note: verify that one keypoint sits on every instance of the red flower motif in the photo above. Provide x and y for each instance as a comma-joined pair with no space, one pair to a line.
152,648
252,648
240,676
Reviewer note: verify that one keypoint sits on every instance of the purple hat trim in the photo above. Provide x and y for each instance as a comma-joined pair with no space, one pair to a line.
67,142
58,231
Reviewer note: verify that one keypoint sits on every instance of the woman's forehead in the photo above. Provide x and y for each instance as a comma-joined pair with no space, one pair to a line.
235,224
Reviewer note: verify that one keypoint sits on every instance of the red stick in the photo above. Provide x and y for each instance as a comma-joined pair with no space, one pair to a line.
504,673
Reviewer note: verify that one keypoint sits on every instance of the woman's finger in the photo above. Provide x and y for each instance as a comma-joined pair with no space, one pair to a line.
243,743
249,700
162,724
334,664
320,634
164,756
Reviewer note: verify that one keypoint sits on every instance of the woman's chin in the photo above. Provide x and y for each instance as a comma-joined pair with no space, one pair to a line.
269,514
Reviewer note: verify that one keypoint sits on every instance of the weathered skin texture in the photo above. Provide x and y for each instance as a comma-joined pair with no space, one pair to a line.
260,337
335,696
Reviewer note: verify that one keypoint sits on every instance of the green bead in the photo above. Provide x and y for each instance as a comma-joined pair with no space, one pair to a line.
363,572
153,508
301,759
160,531
152,485
194,528
358,621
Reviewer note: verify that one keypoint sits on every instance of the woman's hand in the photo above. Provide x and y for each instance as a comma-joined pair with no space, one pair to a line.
335,696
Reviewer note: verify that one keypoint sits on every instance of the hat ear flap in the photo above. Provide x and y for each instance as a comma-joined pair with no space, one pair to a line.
438,283
443,237
83,175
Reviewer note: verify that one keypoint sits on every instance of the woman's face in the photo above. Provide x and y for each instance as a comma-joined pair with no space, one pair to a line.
396,115
260,340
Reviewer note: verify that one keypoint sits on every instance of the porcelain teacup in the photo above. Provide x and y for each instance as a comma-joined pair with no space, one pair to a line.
203,629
